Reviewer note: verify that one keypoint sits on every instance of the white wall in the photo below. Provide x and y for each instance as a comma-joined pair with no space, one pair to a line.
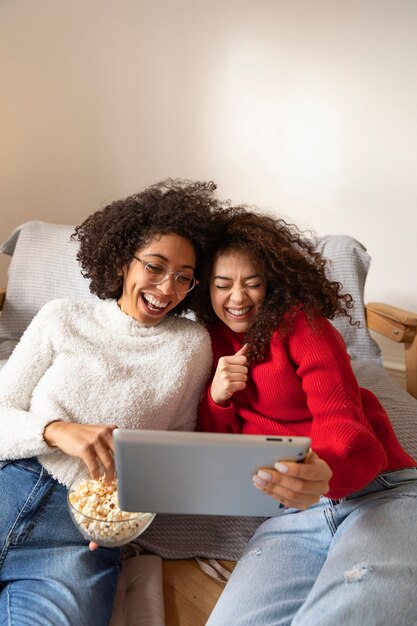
305,108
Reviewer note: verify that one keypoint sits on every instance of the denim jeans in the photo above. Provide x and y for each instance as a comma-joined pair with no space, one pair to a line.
349,562
48,576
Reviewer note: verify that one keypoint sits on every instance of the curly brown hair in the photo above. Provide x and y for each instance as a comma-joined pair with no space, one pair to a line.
109,238
294,270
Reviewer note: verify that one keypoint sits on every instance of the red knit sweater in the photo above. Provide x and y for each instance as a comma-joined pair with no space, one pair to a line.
306,386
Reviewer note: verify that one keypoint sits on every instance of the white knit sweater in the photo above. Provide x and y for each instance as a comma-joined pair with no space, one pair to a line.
91,363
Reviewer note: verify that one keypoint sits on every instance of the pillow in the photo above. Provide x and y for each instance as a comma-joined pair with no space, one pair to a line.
43,267
349,264
139,595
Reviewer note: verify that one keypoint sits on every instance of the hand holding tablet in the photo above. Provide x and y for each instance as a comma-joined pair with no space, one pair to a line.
295,485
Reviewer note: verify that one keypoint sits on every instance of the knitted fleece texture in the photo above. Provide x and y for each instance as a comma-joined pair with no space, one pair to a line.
91,363
305,386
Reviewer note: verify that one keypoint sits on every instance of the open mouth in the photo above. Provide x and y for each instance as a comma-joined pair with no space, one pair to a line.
239,313
153,305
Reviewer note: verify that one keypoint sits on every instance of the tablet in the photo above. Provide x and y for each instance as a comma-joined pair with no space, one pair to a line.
198,473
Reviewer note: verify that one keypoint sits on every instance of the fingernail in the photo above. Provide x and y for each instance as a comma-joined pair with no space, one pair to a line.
281,468
264,475
258,482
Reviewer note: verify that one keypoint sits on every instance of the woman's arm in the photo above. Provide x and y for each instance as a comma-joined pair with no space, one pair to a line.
214,418
216,411
21,432
92,443
341,431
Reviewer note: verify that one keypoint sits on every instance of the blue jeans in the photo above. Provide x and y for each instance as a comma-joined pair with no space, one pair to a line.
48,576
350,562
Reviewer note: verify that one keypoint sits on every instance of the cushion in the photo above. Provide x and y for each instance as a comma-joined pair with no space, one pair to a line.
349,264
43,267
139,596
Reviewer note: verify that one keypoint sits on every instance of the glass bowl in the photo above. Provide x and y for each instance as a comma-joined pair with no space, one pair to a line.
94,509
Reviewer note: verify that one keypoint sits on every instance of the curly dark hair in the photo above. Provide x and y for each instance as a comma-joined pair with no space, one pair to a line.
294,270
109,238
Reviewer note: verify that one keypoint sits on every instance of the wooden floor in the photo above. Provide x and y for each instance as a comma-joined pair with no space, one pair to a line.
189,593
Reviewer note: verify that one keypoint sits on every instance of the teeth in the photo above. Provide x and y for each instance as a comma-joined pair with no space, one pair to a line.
154,302
238,312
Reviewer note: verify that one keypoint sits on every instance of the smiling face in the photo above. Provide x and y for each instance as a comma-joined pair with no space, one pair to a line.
237,289
150,303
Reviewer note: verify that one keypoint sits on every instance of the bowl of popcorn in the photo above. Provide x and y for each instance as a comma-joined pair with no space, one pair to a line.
95,511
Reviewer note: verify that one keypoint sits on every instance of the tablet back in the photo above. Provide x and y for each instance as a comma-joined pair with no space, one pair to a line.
200,473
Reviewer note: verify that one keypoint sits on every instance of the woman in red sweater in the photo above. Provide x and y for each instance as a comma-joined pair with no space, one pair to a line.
280,368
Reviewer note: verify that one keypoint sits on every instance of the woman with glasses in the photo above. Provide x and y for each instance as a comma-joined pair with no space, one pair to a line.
81,369
348,557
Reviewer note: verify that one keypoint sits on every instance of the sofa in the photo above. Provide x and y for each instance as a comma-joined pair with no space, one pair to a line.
43,266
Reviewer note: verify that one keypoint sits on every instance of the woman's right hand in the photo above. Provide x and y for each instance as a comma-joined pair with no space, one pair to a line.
295,485
231,376
93,444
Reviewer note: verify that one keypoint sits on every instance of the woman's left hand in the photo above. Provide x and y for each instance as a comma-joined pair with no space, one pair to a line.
295,485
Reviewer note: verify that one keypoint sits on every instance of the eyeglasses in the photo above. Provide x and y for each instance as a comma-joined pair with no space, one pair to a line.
156,274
